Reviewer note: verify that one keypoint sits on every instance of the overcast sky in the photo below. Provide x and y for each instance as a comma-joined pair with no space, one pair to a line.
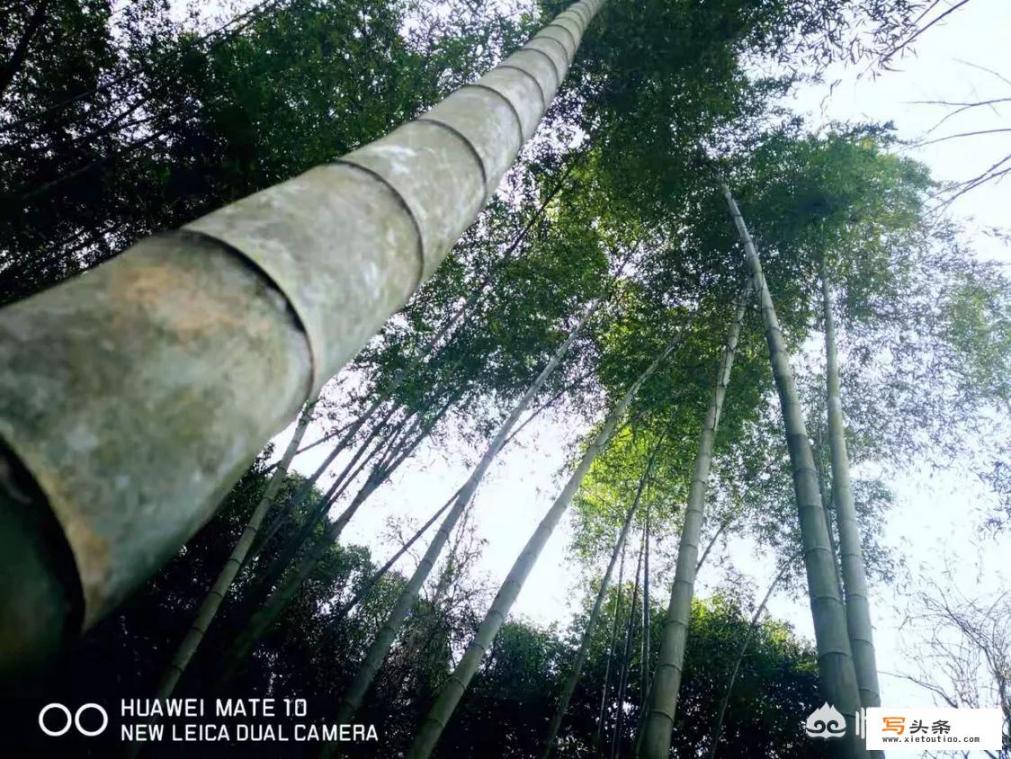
935,522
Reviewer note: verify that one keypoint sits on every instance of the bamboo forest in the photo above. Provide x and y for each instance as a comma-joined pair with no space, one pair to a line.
505,378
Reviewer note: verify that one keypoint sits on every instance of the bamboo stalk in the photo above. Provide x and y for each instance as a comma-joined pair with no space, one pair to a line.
619,724
858,615
380,647
136,396
451,693
659,720
612,647
835,659
584,644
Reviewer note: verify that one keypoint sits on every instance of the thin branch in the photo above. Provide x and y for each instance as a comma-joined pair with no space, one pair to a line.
991,174
975,133
997,74
923,684
921,30
960,107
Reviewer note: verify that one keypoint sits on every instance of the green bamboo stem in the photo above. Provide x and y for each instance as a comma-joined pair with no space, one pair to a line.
858,616
137,395
619,723
572,679
451,693
659,721
612,648
376,655
835,659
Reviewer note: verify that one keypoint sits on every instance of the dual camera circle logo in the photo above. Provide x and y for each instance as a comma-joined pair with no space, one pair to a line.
55,720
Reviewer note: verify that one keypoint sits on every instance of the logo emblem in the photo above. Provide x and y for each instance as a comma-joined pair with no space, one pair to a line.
825,722
56,726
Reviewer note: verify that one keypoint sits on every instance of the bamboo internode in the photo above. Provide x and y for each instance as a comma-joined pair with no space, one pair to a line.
135,396
835,657
659,721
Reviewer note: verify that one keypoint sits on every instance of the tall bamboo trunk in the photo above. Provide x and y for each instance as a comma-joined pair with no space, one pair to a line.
721,712
428,625
647,646
277,601
827,506
646,692
854,577
626,658
216,595
380,647
450,694
180,358
659,721
835,660
572,680
612,650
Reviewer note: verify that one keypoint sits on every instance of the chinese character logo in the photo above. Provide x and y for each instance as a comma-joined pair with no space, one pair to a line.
825,722
895,725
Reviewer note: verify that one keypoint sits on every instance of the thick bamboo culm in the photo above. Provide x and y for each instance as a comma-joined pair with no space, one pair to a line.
132,398
858,614
835,658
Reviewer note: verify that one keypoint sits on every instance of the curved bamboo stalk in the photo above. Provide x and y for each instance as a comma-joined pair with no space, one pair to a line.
721,713
835,659
136,396
451,693
858,615
130,451
619,723
584,644
380,647
659,720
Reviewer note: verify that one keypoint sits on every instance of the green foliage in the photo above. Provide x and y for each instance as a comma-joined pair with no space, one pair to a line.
977,323
122,126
